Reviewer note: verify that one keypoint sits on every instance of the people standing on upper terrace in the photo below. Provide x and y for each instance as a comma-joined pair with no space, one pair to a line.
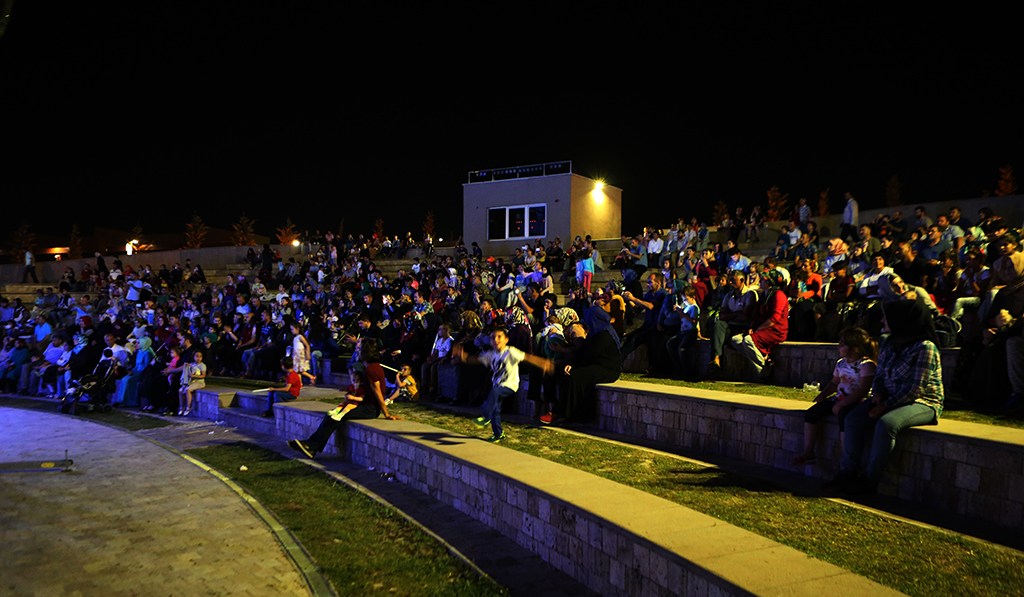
851,218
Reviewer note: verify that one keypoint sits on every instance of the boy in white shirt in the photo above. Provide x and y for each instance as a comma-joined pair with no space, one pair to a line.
503,361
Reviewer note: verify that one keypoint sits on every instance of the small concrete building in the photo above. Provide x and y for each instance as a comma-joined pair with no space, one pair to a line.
506,208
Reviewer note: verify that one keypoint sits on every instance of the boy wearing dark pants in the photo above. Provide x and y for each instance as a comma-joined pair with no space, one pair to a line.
286,393
503,361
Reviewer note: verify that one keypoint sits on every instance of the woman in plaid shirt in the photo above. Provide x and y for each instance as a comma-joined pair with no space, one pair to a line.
907,392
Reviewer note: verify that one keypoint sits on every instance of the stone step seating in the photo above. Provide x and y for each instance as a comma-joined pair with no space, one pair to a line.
615,539
966,468
27,292
222,400
794,363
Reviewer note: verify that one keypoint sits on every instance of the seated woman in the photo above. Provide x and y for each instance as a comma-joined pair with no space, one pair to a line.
906,392
769,326
596,362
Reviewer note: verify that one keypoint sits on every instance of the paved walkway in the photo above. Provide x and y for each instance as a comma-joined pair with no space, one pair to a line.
521,571
131,519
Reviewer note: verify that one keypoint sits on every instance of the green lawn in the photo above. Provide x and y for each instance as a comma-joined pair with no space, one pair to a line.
361,546
906,557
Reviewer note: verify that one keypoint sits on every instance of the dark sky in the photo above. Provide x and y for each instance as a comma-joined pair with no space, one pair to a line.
150,111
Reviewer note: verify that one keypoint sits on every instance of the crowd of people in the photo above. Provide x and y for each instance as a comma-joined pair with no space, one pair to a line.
167,330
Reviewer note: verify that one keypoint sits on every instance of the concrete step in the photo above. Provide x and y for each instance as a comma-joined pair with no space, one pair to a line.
248,419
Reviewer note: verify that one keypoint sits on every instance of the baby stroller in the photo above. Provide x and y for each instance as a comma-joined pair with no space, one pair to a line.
89,394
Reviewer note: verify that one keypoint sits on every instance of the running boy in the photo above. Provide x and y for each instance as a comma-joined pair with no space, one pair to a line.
504,363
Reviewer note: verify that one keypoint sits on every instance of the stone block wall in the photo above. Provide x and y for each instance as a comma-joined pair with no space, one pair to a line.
607,558
615,539
971,469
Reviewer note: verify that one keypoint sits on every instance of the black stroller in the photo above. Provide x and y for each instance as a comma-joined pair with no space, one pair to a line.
89,393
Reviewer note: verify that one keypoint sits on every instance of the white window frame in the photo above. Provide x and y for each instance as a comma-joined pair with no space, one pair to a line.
525,207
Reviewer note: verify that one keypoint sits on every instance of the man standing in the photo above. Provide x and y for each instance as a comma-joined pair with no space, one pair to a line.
851,218
30,267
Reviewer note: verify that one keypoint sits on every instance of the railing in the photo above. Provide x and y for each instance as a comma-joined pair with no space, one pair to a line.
530,171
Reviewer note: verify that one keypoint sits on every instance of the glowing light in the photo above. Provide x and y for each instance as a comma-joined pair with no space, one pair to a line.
599,185
295,243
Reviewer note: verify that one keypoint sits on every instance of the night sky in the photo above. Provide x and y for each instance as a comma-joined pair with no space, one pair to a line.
147,111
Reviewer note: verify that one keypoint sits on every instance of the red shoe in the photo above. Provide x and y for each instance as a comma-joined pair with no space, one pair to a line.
546,419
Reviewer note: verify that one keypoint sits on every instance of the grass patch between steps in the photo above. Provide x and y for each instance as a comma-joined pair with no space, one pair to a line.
363,547
909,558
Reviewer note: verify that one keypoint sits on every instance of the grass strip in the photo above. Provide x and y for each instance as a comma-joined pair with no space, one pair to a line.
915,560
127,420
954,410
360,545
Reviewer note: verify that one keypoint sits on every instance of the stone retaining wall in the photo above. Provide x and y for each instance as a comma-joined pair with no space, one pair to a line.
971,469
615,539
795,363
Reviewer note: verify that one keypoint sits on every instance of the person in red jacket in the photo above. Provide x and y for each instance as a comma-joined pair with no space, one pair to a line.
770,324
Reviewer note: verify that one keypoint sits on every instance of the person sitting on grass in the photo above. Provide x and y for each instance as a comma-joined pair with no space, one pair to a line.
907,392
286,393
405,386
503,361
851,381
369,405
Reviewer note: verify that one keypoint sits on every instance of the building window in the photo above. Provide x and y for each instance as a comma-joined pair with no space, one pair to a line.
521,221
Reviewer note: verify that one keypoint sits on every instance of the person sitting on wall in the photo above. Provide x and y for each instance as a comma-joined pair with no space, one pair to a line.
364,400
734,317
769,325
907,391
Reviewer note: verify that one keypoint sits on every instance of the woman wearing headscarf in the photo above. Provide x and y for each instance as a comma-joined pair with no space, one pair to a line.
907,392
770,324
128,387
597,362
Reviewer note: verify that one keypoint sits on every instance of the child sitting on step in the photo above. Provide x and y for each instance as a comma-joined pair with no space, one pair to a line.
405,386
851,382
286,393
